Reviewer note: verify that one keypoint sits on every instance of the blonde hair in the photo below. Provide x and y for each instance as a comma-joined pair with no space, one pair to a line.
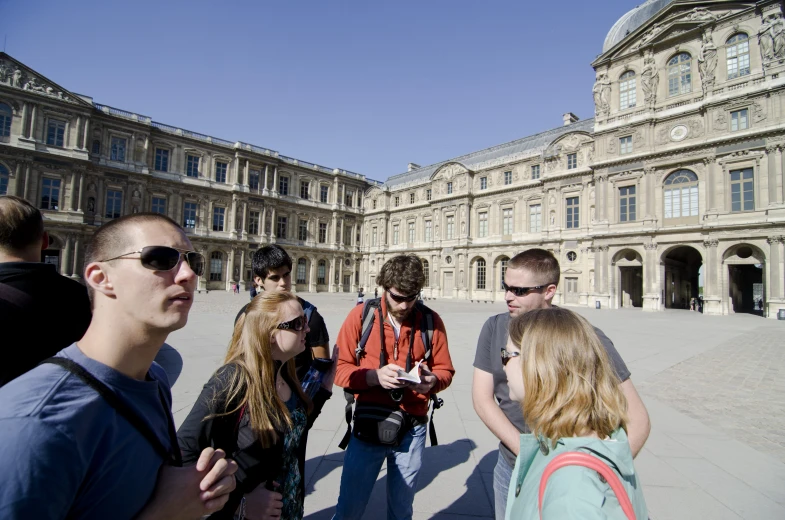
570,386
252,384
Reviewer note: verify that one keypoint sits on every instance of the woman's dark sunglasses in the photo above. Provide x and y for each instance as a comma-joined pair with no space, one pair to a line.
164,258
508,355
296,324
523,291
400,299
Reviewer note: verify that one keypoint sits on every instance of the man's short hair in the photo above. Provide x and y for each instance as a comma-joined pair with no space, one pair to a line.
539,262
269,258
404,272
21,224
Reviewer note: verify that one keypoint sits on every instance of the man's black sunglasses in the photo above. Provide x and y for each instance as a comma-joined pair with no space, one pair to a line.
508,355
164,258
400,299
296,324
523,291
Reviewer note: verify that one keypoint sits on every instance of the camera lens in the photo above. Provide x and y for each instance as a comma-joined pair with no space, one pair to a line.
396,395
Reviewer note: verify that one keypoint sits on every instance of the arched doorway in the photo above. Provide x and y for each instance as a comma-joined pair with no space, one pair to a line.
680,276
745,282
629,281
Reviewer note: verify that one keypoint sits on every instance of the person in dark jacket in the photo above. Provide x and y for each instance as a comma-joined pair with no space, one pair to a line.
41,311
254,408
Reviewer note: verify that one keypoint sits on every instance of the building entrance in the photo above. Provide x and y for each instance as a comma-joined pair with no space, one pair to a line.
681,276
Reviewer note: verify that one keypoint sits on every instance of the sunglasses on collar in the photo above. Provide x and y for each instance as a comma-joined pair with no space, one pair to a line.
164,258
400,299
523,291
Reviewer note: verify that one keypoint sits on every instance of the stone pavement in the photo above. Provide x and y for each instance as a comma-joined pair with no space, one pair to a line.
713,387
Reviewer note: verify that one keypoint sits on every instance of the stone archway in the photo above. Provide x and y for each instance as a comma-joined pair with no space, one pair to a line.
628,279
743,275
680,276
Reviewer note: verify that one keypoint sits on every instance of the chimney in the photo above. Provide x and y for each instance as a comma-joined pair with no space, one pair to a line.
570,118
413,166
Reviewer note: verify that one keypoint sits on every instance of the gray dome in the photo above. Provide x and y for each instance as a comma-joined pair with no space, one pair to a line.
631,21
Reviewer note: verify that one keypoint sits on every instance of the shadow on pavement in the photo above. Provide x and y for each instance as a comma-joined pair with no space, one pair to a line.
171,361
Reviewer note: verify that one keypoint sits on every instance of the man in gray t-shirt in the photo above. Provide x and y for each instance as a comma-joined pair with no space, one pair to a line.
530,283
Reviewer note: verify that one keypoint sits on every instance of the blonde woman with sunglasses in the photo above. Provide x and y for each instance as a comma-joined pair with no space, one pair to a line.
255,409
558,369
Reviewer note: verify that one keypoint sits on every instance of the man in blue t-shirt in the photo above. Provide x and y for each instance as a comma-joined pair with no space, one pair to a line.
68,451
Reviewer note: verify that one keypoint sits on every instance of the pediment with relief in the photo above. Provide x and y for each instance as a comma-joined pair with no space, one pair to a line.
449,171
15,74
567,144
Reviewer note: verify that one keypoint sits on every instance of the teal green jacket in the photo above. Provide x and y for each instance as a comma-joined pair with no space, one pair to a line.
573,492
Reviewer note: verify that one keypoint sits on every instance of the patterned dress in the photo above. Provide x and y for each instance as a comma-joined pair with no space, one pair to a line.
289,477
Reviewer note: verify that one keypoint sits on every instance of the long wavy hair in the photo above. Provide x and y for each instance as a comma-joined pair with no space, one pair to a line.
252,384
570,386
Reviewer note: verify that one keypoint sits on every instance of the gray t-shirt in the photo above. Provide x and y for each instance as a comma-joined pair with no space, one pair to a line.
493,338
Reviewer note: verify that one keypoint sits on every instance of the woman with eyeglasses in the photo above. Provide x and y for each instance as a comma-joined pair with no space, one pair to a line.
254,409
558,369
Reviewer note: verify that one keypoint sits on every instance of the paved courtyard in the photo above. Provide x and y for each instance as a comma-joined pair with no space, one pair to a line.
714,388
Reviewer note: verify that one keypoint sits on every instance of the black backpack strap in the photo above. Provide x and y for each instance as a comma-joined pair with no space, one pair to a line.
427,339
123,409
348,411
15,296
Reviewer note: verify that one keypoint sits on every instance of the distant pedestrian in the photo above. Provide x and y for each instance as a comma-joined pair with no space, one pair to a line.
376,292
253,290
360,296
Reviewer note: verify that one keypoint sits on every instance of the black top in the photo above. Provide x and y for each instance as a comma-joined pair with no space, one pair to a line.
57,317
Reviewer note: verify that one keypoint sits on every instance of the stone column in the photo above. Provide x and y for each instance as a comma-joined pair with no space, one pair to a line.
711,186
275,179
340,276
131,155
774,275
233,221
335,229
651,291
263,223
331,280
72,193
33,122
19,188
86,136
67,262
230,270
245,172
78,132
601,274
25,113
312,277
28,183
76,271
774,192
244,223
712,301
264,187
242,270
273,231
80,197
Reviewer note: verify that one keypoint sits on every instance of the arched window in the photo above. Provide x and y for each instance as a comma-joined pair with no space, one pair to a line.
426,270
737,50
216,266
321,273
6,115
3,180
681,195
627,90
680,74
301,263
480,273
502,271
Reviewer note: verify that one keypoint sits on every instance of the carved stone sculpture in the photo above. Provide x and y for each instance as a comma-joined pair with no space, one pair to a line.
701,14
771,39
16,80
650,79
602,95
707,61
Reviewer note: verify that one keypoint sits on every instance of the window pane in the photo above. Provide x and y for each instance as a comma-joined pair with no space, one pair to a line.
668,203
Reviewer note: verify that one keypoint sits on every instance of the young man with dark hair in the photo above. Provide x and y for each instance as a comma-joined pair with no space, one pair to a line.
33,294
395,341
530,282
90,433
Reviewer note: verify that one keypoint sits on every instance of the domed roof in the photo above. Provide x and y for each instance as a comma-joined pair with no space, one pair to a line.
632,20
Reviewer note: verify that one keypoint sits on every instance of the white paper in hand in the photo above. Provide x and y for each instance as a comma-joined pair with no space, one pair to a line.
411,377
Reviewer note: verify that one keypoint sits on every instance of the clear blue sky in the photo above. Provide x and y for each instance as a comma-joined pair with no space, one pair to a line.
368,86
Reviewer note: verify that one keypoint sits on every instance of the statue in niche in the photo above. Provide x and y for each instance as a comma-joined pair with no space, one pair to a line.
650,78
707,61
591,280
602,95
91,205
135,210
16,79
463,228
553,218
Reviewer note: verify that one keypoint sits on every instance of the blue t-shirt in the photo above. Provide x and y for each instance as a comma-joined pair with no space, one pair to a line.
65,452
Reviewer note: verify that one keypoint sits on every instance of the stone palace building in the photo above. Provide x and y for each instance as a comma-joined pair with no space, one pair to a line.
673,191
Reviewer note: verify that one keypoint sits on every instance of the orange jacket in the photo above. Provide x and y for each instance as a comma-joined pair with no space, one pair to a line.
350,376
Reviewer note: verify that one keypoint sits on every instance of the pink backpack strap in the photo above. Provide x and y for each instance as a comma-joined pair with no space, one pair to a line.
574,458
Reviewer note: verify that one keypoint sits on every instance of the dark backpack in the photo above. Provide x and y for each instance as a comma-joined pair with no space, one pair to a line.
426,333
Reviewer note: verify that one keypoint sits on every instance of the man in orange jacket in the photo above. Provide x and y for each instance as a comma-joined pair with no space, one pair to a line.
382,398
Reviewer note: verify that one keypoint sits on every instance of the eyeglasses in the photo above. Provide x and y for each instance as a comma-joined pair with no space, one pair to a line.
164,258
508,355
400,299
296,324
523,291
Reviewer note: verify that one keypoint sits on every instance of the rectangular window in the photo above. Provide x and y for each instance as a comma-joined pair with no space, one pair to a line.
220,171
218,219
253,222
507,178
321,273
681,202
216,267
323,192
3,184
304,189
449,188
50,193
397,201
283,185
302,230
450,232
411,232
118,149
374,232
480,274
742,195
161,160
280,228
625,144
572,161
158,205
6,115
347,235
427,233
254,177
573,209
411,198
428,194
55,133
301,271
507,221
395,234
114,204
323,232
739,120
738,54
535,218
189,215
535,171
191,165
482,230
627,204
483,183
349,199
